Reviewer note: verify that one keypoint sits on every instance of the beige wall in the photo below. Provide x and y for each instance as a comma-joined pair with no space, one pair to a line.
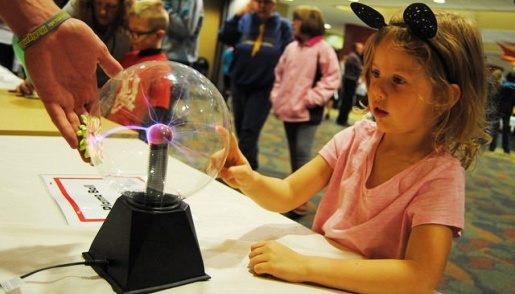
208,34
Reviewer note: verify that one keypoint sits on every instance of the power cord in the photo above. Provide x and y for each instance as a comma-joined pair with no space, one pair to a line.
17,282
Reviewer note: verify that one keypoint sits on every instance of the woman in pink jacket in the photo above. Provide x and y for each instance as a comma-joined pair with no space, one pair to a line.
306,77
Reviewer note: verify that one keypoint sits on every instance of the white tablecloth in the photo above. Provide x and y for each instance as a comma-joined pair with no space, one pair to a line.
34,232
8,80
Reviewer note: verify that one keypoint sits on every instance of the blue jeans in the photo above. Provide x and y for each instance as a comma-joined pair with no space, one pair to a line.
300,137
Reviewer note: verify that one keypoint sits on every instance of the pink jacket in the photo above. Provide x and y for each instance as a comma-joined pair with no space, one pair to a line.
293,92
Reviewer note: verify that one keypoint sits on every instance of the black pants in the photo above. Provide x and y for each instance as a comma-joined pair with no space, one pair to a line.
349,89
6,56
505,134
251,107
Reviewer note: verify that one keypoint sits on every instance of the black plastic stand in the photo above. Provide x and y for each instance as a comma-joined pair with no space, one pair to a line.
149,249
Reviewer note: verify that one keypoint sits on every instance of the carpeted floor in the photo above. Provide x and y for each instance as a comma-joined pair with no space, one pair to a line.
483,259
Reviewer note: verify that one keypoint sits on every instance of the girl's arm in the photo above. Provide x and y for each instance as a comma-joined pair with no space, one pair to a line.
426,256
272,193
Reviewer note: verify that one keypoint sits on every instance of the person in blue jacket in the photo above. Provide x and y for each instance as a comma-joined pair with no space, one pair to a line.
504,108
259,35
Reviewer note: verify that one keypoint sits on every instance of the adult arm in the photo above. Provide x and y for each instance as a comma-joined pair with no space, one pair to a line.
286,33
185,23
62,72
229,33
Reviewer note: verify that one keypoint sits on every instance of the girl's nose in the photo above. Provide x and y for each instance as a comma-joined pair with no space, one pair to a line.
377,89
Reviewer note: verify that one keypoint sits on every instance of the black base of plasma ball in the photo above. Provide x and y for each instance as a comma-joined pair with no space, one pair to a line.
148,249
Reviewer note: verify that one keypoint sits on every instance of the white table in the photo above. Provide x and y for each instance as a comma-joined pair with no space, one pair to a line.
35,234
8,80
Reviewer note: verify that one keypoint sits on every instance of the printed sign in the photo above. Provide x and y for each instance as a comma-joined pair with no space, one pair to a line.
84,200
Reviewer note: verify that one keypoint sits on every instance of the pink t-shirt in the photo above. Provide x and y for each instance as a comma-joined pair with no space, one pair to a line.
377,222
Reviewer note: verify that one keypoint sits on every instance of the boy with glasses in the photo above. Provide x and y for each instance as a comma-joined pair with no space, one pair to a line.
147,24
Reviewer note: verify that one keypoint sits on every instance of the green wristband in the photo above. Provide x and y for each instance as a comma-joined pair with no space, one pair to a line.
52,23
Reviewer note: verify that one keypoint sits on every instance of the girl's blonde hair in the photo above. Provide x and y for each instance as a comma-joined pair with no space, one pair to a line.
456,58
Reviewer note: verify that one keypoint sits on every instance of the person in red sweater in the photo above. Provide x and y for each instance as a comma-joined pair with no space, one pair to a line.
144,99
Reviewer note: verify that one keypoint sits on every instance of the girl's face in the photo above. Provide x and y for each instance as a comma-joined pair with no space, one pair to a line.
296,24
400,92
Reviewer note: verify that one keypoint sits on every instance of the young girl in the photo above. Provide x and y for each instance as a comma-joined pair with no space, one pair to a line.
395,187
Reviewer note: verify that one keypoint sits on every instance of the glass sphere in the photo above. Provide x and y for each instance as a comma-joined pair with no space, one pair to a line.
173,134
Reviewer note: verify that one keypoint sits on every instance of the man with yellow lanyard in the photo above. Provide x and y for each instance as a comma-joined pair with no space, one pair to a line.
259,35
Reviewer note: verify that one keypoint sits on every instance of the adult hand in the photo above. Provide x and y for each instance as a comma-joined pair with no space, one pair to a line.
25,88
62,66
249,7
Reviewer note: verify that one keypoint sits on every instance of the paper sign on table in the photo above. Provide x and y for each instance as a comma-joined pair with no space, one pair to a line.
84,200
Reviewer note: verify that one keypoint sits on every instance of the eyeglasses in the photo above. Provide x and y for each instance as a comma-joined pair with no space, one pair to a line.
265,2
137,34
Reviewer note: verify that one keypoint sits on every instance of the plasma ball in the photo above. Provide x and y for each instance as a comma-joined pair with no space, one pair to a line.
159,134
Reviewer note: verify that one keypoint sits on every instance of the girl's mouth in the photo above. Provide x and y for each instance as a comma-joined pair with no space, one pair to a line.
379,113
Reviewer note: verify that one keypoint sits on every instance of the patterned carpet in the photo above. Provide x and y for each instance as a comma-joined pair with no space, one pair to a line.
483,259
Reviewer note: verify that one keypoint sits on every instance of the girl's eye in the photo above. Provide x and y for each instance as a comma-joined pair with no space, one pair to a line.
375,73
398,80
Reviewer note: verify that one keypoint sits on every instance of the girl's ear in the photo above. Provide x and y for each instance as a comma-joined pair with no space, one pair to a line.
455,94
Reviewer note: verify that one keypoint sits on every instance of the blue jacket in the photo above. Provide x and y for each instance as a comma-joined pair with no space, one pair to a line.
241,32
506,99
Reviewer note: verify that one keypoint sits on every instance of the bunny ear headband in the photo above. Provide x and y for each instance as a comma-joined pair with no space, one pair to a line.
418,18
